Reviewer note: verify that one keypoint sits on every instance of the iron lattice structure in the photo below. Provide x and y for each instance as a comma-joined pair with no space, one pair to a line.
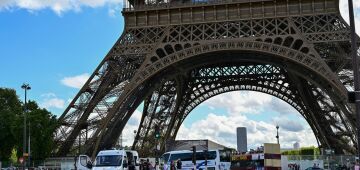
174,55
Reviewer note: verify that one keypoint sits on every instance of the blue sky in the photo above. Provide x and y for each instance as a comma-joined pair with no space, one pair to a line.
41,48
55,45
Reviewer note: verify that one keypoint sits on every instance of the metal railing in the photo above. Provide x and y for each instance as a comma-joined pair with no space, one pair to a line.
156,4
332,162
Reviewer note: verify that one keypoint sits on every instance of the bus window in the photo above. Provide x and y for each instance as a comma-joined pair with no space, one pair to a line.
247,164
225,155
201,155
182,156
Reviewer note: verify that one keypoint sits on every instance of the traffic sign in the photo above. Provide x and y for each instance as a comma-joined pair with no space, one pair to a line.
26,154
21,159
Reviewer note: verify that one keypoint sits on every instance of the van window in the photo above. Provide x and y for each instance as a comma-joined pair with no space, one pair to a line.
83,160
108,160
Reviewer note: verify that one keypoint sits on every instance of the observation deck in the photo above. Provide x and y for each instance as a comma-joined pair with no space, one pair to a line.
140,13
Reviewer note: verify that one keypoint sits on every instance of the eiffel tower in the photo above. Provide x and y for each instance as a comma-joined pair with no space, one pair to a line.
173,55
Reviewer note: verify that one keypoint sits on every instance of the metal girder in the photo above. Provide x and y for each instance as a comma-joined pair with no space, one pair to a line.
174,55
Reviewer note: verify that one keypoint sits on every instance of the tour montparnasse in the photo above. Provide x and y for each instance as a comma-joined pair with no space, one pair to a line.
173,55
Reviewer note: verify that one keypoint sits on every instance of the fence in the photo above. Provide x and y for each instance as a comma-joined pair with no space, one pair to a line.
289,162
332,162
49,164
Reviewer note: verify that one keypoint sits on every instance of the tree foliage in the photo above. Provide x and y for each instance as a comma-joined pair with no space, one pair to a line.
40,123
303,151
10,109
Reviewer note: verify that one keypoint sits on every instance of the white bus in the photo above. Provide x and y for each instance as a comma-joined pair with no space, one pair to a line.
213,160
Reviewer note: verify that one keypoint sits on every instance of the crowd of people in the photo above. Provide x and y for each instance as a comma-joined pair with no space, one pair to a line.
175,165
147,165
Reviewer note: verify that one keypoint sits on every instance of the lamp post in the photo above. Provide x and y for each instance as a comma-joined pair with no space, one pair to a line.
25,87
356,71
277,133
135,134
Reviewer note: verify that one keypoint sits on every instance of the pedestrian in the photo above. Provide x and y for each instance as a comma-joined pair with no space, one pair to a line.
145,165
178,164
172,165
347,164
131,165
357,165
141,165
151,167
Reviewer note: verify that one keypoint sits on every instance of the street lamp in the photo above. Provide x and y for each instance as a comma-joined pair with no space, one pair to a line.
277,133
25,87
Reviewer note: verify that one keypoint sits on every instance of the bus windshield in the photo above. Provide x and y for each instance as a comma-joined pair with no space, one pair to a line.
165,157
108,160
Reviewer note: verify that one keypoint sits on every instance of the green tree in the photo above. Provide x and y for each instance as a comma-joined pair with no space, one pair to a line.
310,151
41,125
303,151
10,109
40,122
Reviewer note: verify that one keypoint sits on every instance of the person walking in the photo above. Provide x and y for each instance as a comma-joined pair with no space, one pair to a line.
172,166
178,164
357,165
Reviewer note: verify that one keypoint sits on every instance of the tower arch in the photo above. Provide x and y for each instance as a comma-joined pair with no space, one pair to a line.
166,45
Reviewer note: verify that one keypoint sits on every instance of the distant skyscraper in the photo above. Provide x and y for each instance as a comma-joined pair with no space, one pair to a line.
296,145
241,139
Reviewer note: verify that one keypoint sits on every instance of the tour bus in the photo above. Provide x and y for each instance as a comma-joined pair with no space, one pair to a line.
116,159
213,160
267,159
248,162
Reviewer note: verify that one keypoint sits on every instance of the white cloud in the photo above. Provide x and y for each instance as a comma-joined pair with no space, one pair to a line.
344,10
289,125
114,10
58,6
222,129
132,125
49,100
240,101
281,107
249,102
75,81
48,95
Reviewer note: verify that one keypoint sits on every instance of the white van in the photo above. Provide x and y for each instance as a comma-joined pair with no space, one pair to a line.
117,160
111,160
133,159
